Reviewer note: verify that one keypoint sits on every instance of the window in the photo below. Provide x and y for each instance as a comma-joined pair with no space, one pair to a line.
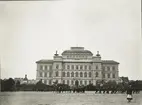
89,82
45,81
76,67
45,67
63,74
45,74
63,81
81,74
85,67
81,67
72,74
80,82
90,74
89,67
68,66
56,73
103,75
41,67
50,74
72,82
57,66
108,68
96,67
108,75
85,82
68,74
72,67
96,74
50,82
40,74
85,74
68,82
113,75
76,74
113,68
50,67
103,68
56,81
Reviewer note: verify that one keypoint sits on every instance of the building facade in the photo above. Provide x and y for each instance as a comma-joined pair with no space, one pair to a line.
77,65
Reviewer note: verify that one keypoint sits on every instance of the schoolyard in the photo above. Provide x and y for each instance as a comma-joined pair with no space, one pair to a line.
50,98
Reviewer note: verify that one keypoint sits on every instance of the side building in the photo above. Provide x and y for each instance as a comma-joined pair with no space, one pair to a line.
77,66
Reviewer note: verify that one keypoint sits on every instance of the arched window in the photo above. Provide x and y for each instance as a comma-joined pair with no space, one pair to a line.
40,74
68,74
72,82
85,74
72,74
103,75
81,67
85,67
63,74
108,75
50,82
89,67
81,74
41,67
97,74
76,74
45,67
50,74
56,73
90,74
89,82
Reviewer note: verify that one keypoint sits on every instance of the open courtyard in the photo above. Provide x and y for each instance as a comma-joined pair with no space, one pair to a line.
50,98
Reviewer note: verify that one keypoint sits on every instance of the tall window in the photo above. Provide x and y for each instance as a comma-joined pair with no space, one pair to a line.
85,67
85,82
81,74
41,67
68,82
89,67
96,74
108,75
56,73
72,67
50,82
80,82
76,67
85,74
72,74
103,68
113,75
81,67
68,74
40,74
108,68
72,82
63,74
45,74
45,67
50,74
63,81
103,75
68,67
89,82
45,81
96,67
50,67
113,68
57,66
76,74
90,74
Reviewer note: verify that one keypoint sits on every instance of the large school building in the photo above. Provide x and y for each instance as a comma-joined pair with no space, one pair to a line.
77,65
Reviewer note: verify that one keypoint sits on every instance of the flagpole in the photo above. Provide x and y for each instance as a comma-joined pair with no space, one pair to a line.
0,74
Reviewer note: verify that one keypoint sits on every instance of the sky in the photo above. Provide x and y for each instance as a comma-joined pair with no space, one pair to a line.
34,30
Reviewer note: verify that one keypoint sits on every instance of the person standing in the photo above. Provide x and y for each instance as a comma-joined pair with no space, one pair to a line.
129,94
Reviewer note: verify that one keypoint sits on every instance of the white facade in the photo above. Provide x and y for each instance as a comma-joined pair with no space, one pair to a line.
76,65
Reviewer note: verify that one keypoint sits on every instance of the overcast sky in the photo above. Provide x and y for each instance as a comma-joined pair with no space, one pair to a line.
30,31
